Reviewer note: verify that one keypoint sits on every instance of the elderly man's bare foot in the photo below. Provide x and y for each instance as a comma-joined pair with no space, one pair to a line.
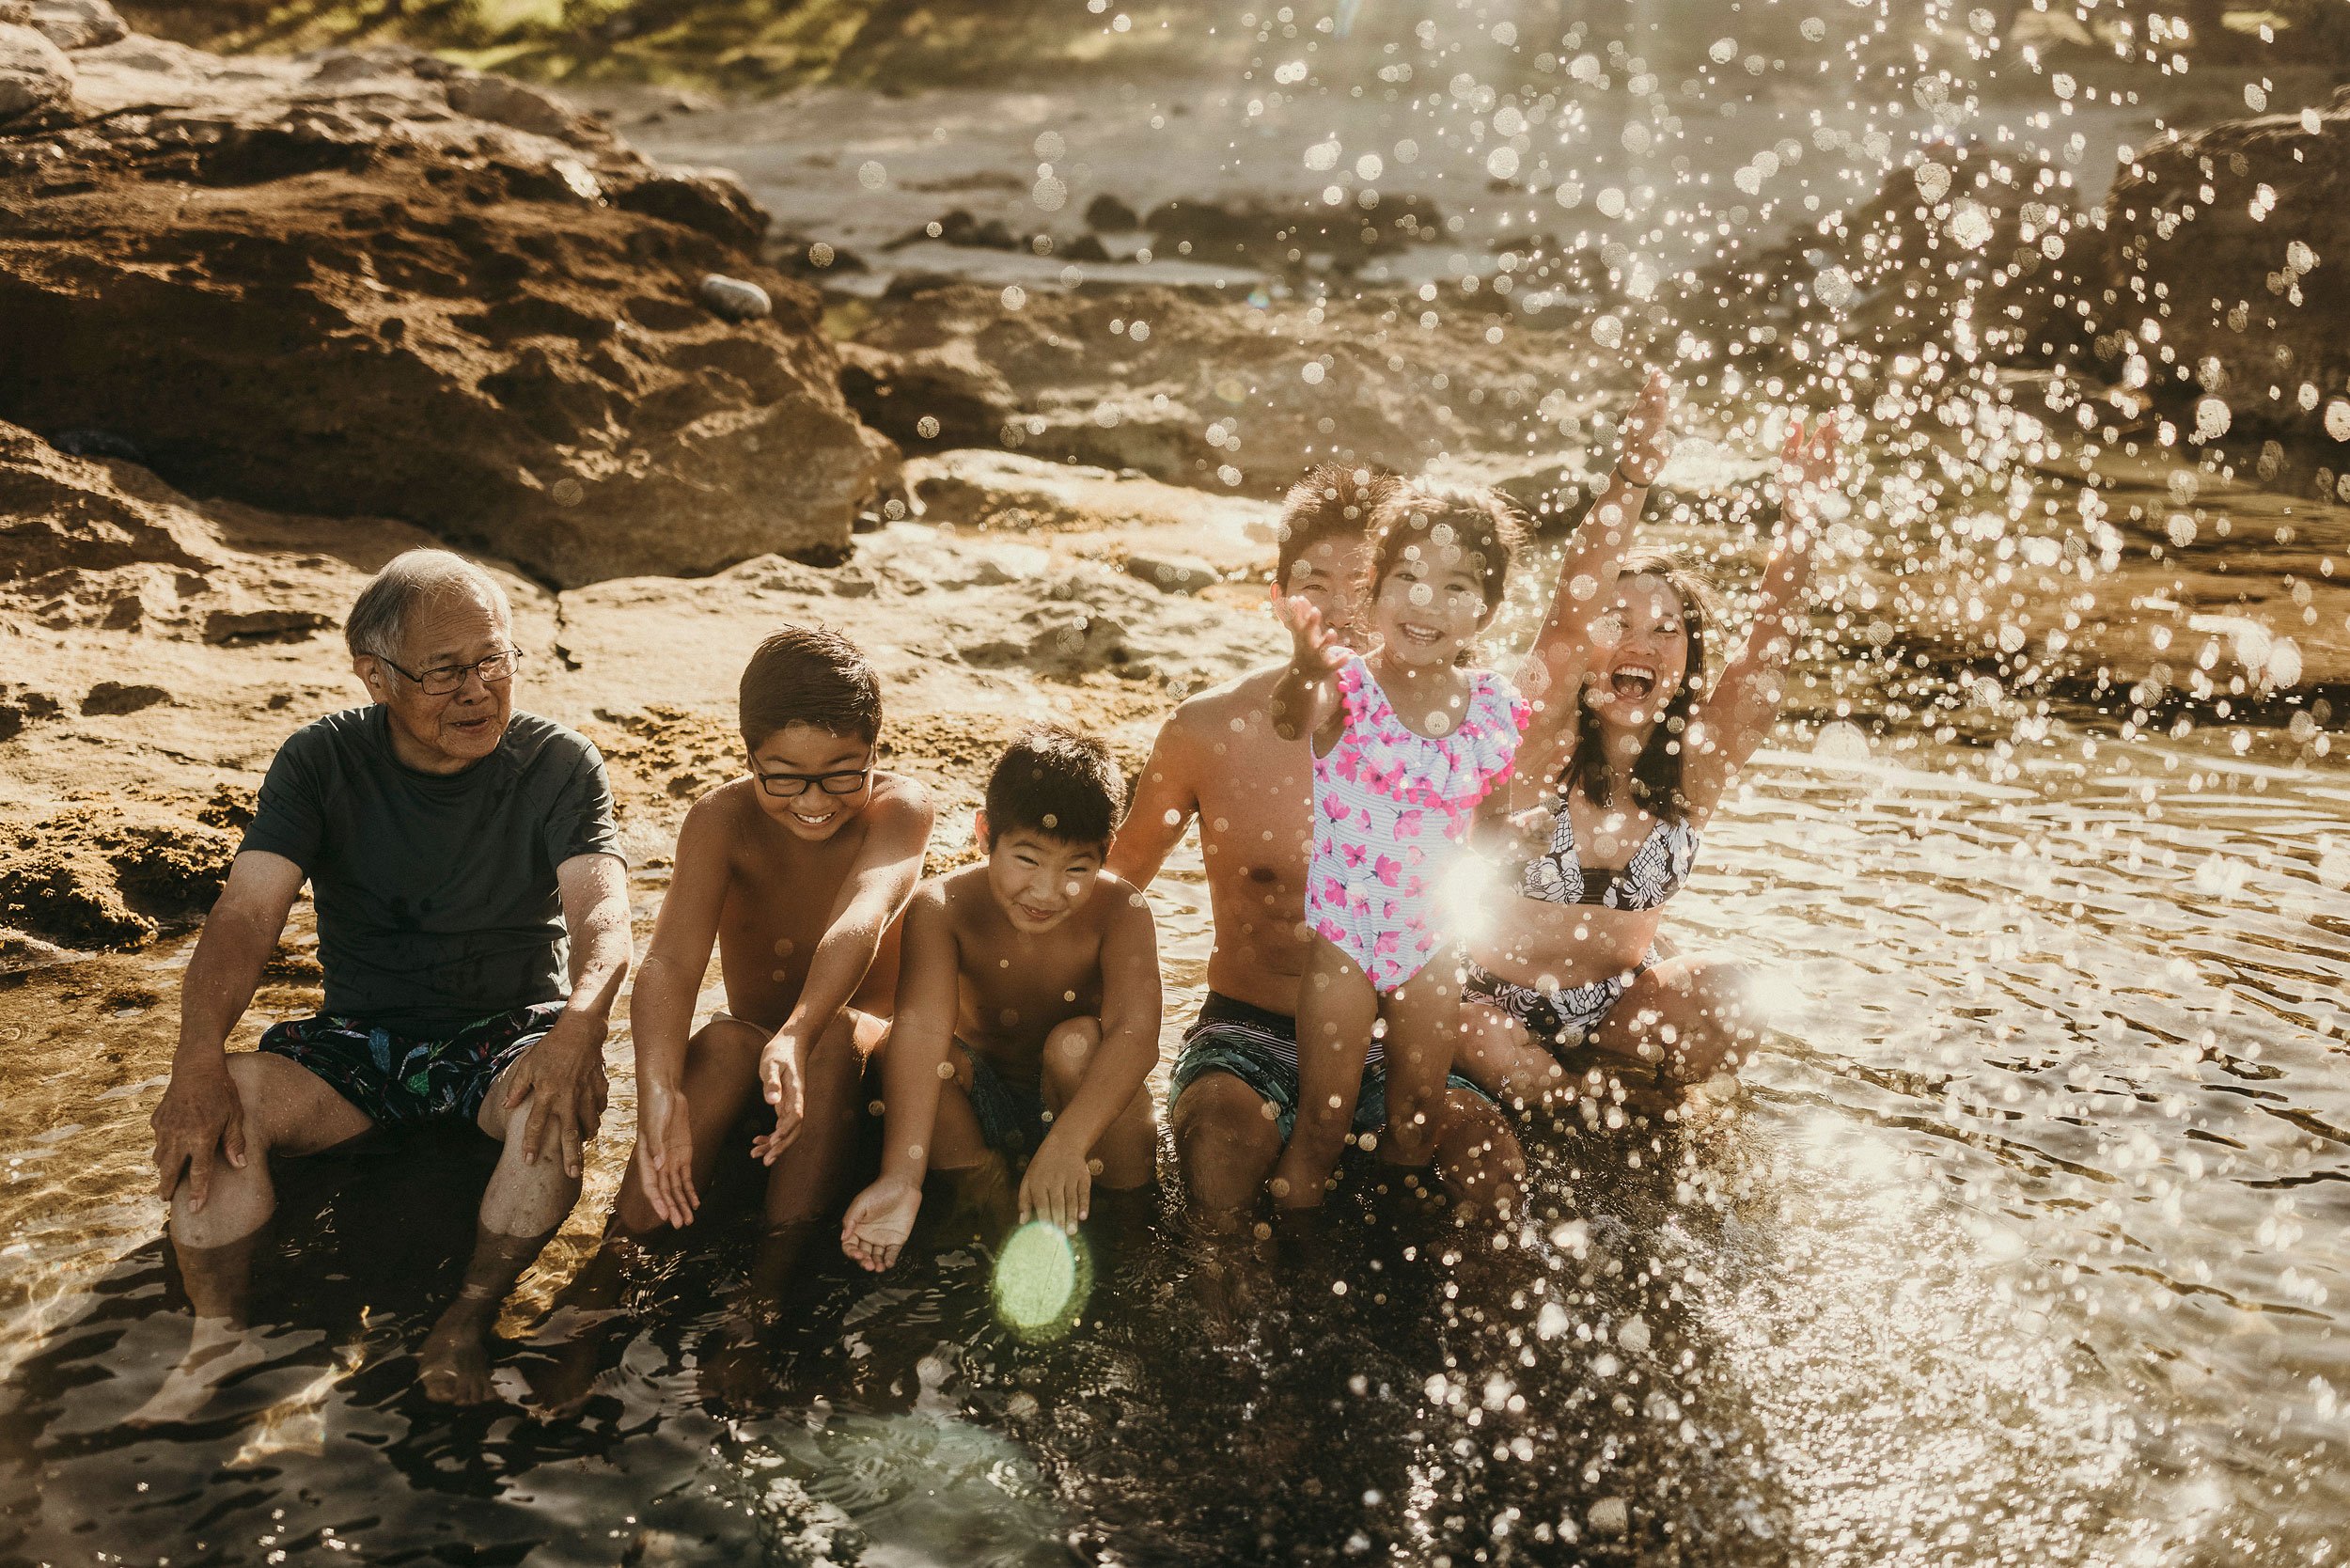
455,1362
219,1350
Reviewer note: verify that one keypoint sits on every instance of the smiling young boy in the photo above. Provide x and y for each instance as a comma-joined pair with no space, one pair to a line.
1027,1009
797,872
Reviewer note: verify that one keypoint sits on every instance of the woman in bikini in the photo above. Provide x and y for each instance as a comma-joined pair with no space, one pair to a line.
1632,743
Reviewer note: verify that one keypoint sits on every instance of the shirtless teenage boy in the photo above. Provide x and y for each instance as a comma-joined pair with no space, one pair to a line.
1028,1006
1218,759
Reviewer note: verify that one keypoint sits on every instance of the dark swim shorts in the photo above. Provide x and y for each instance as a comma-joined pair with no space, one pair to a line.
398,1081
1260,1048
1012,1114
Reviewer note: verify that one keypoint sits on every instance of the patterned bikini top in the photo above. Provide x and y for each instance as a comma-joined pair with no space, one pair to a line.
1655,874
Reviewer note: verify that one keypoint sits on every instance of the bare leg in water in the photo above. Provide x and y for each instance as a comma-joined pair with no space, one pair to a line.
526,1204
288,1110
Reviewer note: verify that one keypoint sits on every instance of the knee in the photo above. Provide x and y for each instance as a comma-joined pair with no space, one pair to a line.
1067,1050
1701,1019
250,1072
1218,1115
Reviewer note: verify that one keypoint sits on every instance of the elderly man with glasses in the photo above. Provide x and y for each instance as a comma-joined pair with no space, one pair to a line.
473,927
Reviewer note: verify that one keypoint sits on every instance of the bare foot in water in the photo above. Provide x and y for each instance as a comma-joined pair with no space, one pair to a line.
454,1362
218,1351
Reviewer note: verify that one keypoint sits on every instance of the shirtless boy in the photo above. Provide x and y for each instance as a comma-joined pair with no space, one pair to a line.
797,872
1218,759
1028,1006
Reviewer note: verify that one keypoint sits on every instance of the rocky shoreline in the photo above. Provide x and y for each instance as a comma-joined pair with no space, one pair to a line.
266,320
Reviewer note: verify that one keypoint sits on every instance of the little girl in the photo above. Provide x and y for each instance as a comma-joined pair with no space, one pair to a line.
1407,743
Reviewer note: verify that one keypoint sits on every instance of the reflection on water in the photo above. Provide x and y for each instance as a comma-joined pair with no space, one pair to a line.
2025,1244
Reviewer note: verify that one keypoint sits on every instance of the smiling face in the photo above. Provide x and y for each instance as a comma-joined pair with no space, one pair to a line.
450,733
1640,653
1038,879
1431,604
1328,575
809,750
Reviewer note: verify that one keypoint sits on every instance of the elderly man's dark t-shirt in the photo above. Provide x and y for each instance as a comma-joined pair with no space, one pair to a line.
437,903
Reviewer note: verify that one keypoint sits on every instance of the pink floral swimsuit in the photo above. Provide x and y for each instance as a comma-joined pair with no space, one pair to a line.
1392,809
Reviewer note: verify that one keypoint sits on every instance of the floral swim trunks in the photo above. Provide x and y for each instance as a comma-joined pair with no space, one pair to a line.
399,1080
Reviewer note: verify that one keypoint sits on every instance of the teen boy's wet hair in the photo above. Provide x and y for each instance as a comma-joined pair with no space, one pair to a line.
809,675
1059,783
1478,521
1335,500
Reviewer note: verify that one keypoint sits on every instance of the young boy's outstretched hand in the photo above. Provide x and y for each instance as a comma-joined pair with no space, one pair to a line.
664,1154
1058,1187
875,1228
781,1085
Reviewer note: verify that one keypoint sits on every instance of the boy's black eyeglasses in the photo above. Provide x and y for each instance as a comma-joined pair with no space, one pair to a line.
789,786
496,669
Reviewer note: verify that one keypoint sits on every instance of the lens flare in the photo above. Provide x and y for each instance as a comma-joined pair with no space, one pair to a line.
1042,1277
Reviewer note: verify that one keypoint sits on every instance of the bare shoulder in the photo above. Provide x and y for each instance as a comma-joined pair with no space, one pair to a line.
899,798
1118,902
1211,712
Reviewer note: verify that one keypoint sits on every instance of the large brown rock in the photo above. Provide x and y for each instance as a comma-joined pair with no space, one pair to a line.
2228,255
370,283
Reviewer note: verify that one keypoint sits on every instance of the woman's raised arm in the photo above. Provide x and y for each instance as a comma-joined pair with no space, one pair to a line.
1744,703
1586,576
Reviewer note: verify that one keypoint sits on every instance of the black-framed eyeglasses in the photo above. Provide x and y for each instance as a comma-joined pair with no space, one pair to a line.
496,669
790,786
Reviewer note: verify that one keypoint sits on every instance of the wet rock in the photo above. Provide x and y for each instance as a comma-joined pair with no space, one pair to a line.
734,299
34,76
1085,247
1285,237
2236,242
372,283
804,257
957,227
109,698
77,24
931,396
1106,214
1173,574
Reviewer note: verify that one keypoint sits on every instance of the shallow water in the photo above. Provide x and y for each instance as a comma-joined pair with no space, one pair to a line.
2025,1243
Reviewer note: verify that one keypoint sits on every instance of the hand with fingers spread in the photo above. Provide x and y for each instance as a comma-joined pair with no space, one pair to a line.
875,1228
665,1153
1316,649
1648,438
1303,698
562,1078
781,1084
200,1120
1058,1187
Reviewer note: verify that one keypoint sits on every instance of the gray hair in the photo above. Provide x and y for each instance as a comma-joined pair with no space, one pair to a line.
377,625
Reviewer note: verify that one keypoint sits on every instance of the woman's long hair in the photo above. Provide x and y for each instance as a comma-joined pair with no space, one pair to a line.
1656,777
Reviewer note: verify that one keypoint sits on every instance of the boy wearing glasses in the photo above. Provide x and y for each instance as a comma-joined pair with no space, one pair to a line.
798,873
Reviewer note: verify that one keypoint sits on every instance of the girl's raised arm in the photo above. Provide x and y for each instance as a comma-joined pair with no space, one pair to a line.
1745,701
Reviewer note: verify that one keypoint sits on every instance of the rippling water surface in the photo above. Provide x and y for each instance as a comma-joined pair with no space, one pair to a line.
2025,1243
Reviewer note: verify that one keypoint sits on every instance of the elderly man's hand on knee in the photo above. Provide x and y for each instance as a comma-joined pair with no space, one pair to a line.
201,1118
562,1080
